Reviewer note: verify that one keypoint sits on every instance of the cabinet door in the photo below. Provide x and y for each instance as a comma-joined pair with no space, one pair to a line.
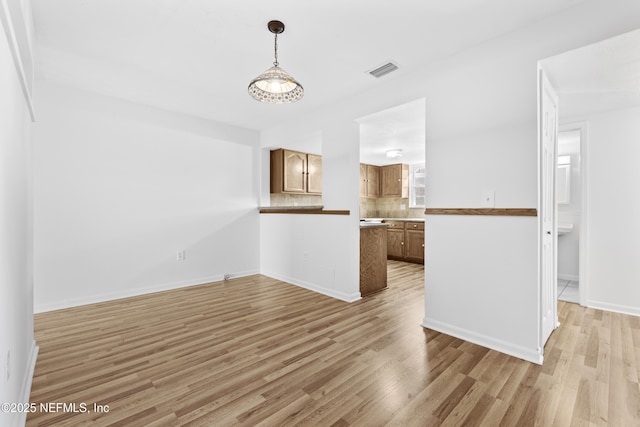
394,180
314,173
295,168
363,180
373,181
414,245
389,177
395,243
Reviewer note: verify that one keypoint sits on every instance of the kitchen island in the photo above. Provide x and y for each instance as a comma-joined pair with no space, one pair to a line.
373,257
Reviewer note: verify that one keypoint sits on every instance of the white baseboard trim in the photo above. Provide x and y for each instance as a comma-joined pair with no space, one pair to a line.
68,303
315,288
530,355
616,308
572,277
25,390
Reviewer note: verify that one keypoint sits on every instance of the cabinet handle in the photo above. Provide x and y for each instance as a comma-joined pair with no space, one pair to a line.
402,243
415,226
423,245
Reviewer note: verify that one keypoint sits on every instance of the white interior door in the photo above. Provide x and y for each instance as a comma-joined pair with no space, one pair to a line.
548,134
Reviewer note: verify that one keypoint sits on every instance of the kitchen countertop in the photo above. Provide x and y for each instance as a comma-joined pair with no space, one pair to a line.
403,219
372,224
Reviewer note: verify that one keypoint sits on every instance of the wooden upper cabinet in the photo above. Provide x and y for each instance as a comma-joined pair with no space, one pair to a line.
295,169
369,180
295,172
394,180
373,181
314,174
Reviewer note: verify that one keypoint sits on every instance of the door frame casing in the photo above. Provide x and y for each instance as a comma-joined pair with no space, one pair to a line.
541,232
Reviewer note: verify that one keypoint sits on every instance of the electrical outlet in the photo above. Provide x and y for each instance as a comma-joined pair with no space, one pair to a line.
488,199
181,255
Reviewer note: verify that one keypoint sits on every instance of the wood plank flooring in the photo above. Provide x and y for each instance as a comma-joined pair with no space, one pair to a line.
257,351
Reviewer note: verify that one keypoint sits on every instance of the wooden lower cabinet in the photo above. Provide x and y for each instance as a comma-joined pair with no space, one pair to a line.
395,243
405,241
414,245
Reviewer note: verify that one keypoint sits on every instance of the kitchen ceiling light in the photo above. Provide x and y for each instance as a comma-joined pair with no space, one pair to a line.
394,154
275,86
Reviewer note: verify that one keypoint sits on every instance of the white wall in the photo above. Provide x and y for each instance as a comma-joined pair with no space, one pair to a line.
481,118
481,273
613,197
319,252
120,188
481,282
570,213
16,284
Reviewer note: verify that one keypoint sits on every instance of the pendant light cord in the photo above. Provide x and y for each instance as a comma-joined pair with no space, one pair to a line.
275,49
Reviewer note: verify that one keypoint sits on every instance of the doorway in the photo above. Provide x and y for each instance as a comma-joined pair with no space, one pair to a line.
392,178
569,205
597,88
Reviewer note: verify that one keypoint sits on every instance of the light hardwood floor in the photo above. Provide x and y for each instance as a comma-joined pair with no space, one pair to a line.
257,351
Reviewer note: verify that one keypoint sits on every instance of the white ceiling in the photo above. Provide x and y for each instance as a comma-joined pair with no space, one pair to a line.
598,77
401,127
197,57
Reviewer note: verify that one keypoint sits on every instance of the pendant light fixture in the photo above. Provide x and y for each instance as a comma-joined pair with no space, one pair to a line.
275,86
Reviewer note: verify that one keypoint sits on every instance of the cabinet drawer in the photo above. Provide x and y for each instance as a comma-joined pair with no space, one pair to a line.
394,224
414,225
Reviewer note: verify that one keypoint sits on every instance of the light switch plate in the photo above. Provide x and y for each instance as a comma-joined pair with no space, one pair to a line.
488,199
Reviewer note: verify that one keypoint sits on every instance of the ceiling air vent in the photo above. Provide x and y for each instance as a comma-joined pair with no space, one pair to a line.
385,69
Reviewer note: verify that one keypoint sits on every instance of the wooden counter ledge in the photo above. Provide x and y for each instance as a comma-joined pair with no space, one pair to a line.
483,211
305,210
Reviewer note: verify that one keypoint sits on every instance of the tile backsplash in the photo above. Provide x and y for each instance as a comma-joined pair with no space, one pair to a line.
281,199
388,208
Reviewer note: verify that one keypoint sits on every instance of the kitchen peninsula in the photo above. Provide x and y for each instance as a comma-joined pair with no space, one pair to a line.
373,257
